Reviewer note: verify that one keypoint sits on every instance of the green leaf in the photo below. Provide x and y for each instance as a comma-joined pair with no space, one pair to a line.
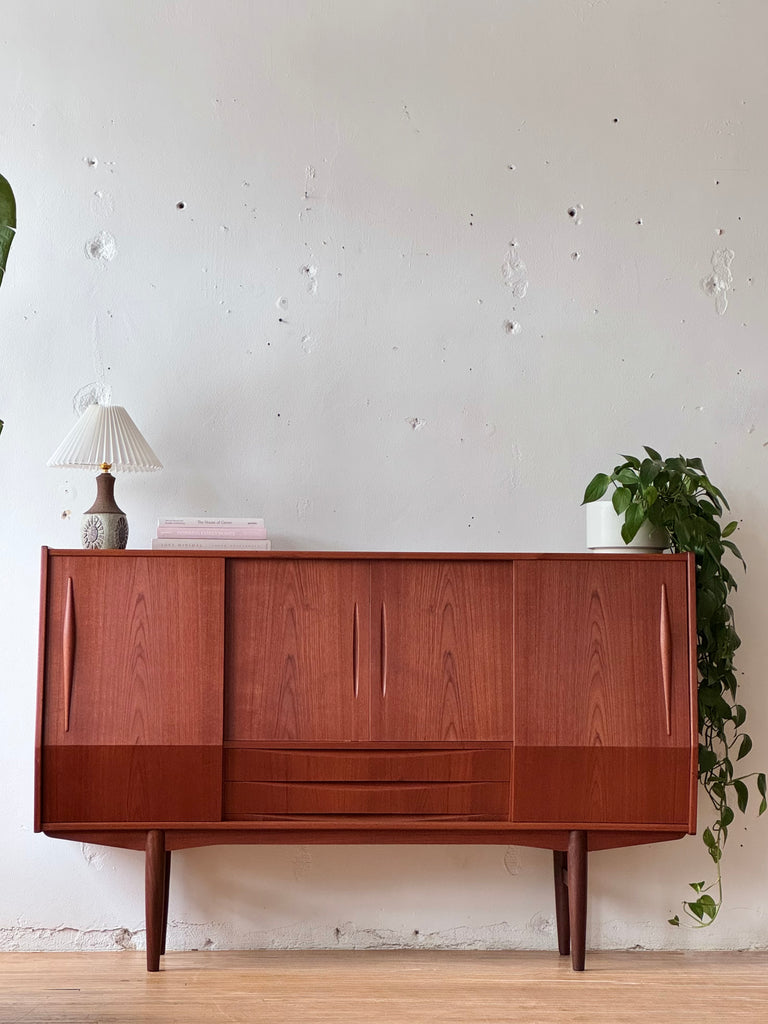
742,794
633,520
728,530
649,470
596,488
718,790
709,840
626,476
622,499
715,493
761,783
707,759
653,454
674,921
744,749
696,909
697,886
732,547
633,462
7,222
708,907
726,818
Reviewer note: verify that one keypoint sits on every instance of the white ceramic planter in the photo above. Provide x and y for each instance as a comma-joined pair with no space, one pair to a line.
604,532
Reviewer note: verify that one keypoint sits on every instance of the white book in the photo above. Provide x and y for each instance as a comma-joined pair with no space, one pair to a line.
208,544
198,521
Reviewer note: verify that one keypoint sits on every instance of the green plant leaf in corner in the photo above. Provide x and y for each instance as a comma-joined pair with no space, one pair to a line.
596,488
7,222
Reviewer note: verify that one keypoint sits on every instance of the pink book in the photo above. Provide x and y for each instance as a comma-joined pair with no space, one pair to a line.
224,532
209,521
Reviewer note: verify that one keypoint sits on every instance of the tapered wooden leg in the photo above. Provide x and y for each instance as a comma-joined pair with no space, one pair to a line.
154,896
166,894
561,903
577,896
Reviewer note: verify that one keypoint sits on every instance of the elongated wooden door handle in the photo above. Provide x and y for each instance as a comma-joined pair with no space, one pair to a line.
356,651
383,649
665,649
68,638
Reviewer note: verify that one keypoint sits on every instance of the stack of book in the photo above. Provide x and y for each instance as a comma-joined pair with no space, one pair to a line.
195,533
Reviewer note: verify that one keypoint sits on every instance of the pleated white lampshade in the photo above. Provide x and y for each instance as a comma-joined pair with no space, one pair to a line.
105,434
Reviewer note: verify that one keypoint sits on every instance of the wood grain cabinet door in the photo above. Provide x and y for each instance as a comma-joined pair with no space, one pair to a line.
133,689
297,650
441,659
602,691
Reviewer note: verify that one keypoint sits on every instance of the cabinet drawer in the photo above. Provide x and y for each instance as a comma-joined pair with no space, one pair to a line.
463,782
243,764
244,800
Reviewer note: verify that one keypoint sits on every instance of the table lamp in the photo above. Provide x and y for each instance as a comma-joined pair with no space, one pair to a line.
105,437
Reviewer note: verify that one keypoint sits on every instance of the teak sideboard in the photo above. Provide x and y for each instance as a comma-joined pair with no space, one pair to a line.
197,698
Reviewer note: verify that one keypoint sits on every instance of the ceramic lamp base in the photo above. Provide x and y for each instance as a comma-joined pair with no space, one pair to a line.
103,530
104,525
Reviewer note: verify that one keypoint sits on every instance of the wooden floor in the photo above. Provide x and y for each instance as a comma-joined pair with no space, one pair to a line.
387,986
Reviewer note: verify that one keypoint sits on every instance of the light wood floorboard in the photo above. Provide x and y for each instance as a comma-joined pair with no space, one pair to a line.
391,987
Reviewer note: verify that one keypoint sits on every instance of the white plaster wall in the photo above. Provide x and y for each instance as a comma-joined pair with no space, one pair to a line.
361,170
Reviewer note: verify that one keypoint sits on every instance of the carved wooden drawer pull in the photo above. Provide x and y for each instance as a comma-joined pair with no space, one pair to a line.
665,647
356,651
68,650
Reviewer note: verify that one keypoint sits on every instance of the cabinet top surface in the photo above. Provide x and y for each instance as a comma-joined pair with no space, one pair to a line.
368,555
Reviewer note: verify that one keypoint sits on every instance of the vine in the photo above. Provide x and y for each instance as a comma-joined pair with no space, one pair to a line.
676,495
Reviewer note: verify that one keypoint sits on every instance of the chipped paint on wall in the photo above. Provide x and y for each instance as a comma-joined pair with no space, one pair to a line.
91,394
63,938
303,508
514,272
94,856
537,932
102,248
309,181
309,273
719,282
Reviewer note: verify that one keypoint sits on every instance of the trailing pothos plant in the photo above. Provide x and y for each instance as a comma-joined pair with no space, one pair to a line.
677,495
7,227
